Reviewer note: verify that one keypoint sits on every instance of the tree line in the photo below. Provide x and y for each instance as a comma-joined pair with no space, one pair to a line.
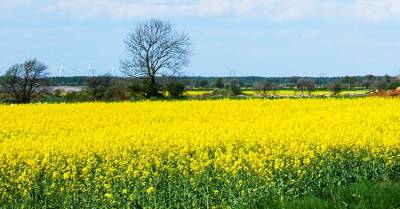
201,82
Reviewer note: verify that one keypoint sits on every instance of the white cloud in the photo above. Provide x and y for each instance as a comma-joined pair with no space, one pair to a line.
11,4
370,10
119,9
276,9
376,10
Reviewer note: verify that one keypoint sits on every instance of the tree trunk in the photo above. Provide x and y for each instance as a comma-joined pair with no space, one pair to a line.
153,88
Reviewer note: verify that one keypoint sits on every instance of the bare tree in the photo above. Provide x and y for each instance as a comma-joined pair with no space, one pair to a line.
335,88
274,88
263,87
23,82
367,83
380,84
304,84
155,49
310,86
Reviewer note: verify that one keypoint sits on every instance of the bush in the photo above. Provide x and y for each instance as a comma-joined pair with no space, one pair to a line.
117,91
107,88
231,90
234,88
175,89
97,87
220,93
393,85
144,88
59,92
76,97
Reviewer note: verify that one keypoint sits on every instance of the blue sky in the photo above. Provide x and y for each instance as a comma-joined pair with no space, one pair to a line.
250,37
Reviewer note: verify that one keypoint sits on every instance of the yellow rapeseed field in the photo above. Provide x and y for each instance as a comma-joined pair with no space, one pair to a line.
192,154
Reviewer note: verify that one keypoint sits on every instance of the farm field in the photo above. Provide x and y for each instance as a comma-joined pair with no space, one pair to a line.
193,154
279,92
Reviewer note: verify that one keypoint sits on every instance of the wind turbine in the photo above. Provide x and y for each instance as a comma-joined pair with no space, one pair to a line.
90,71
113,71
60,71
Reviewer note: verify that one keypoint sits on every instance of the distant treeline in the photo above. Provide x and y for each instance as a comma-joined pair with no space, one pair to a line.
247,81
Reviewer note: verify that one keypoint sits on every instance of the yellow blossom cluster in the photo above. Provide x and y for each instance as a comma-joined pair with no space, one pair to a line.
192,154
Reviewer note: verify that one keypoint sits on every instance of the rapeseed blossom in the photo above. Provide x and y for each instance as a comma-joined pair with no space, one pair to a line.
192,154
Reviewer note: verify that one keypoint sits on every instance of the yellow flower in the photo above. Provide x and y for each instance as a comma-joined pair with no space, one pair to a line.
215,143
150,190
66,175
108,196
307,161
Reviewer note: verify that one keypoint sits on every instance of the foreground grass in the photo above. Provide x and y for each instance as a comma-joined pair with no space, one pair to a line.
358,196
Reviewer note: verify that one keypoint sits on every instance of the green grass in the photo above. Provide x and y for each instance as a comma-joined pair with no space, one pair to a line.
358,196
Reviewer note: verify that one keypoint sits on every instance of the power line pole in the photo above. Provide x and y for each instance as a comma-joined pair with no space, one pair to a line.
232,74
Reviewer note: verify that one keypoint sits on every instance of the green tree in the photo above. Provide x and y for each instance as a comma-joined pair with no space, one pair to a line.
203,83
234,88
219,83
350,81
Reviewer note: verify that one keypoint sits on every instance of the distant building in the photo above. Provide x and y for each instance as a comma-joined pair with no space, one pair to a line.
66,88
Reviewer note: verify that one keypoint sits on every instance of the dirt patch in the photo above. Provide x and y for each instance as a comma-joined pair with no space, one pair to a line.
389,93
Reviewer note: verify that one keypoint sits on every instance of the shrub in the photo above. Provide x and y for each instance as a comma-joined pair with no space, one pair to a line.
234,88
76,97
175,89
393,85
